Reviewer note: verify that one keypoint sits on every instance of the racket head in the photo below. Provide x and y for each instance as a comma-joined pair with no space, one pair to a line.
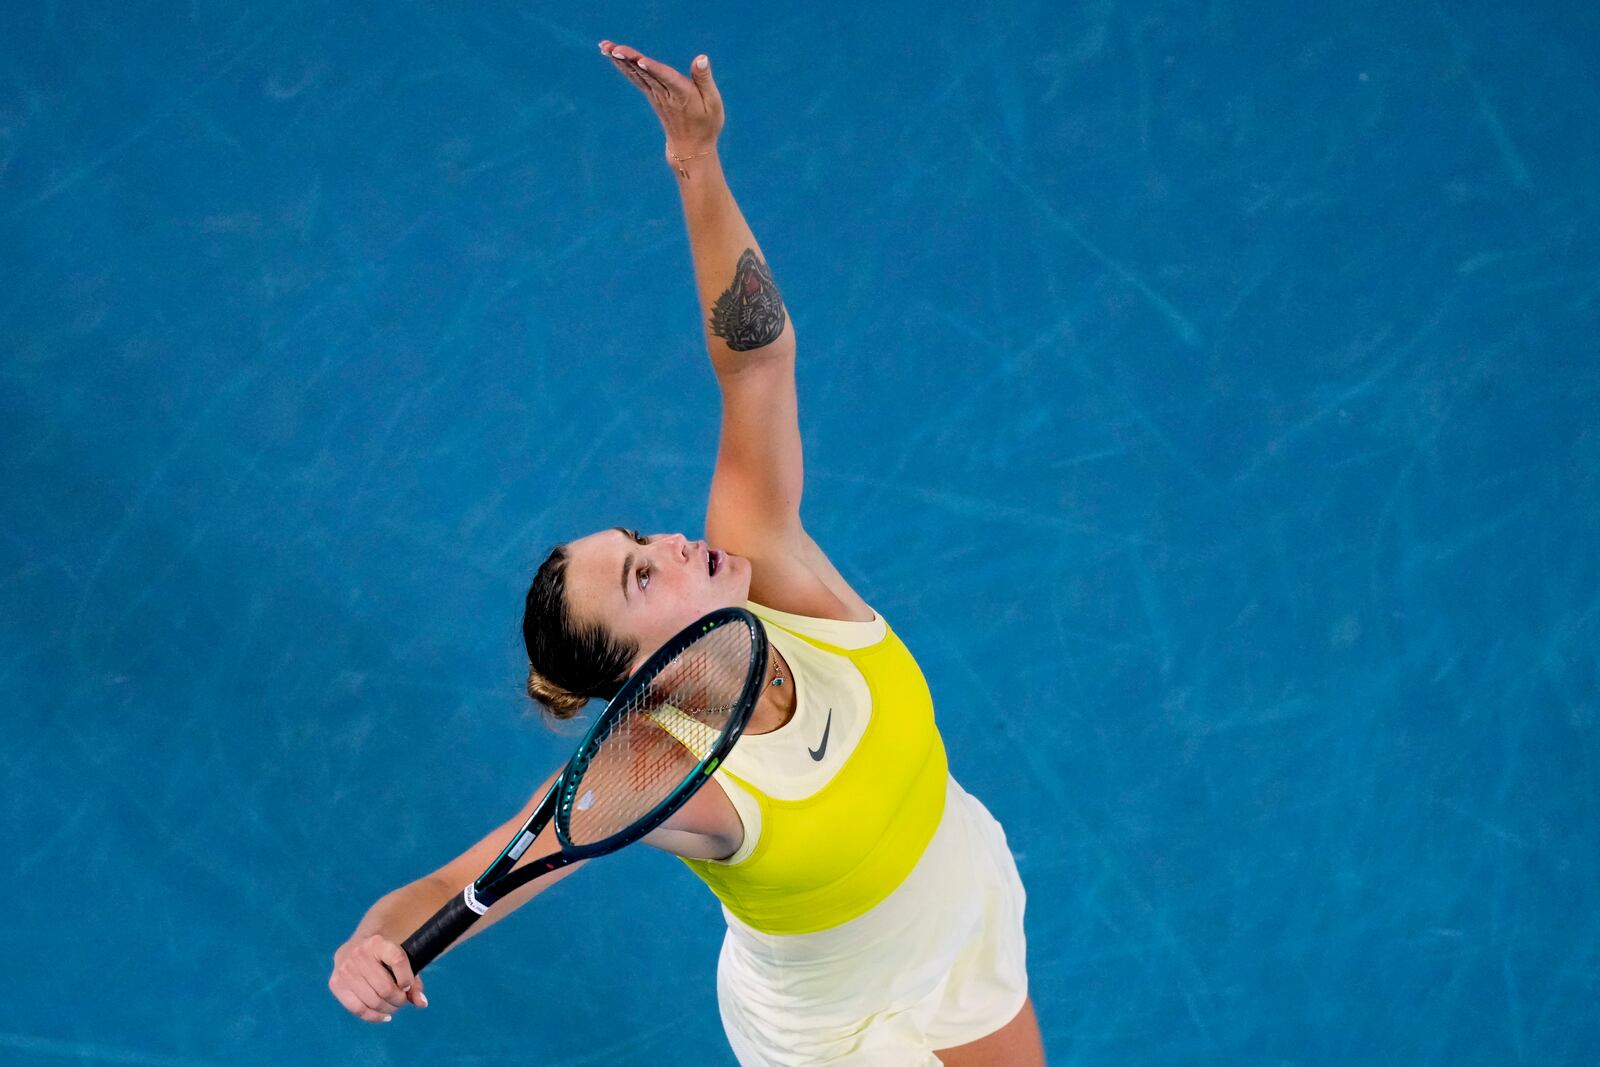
663,735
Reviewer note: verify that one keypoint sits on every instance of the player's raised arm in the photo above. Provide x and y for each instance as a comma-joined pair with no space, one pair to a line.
754,504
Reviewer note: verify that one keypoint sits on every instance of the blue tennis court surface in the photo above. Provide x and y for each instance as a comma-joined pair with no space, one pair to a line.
1205,391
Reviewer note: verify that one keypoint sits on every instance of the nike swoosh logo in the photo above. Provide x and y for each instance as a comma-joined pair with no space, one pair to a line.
817,753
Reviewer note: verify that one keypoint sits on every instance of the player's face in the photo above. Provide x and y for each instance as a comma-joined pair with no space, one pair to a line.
647,588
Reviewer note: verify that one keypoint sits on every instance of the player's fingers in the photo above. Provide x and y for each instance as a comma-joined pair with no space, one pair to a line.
362,988
669,79
647,85
623,60
416,996
357,997
395,959
360,1010
383,987
648,72
620,54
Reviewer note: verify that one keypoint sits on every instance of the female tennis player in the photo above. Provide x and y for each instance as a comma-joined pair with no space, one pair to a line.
874,912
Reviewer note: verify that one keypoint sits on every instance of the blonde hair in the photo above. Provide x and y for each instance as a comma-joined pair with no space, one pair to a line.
558,703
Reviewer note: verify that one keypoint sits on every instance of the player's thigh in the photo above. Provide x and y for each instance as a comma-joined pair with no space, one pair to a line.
1016,1044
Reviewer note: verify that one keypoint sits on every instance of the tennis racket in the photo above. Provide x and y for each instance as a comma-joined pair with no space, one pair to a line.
657,742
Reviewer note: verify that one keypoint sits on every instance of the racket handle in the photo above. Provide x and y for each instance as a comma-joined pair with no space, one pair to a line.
440,932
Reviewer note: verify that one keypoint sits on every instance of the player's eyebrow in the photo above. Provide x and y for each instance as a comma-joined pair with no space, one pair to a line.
627,562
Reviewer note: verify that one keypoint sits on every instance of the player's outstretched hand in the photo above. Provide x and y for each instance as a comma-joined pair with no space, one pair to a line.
363,985
690,109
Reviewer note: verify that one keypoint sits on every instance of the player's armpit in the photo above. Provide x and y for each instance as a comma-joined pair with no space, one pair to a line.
707,827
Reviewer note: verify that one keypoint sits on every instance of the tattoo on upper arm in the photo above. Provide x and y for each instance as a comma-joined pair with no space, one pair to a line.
749,313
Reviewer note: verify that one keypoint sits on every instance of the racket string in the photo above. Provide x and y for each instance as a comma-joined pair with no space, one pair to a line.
656,742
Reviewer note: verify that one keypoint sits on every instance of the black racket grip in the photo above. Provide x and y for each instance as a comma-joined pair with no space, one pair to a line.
439,932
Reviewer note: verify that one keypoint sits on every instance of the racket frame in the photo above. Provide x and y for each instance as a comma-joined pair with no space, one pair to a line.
499,879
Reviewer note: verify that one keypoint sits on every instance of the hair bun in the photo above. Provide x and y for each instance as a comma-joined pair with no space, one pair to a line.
559,702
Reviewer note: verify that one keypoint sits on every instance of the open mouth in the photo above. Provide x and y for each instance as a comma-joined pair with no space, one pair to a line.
713,562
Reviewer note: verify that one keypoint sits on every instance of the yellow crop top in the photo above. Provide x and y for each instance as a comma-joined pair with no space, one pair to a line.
838,803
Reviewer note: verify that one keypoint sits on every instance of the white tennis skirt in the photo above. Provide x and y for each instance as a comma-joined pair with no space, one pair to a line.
938,963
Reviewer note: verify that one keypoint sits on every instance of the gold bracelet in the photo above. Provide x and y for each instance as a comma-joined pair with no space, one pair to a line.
679,161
